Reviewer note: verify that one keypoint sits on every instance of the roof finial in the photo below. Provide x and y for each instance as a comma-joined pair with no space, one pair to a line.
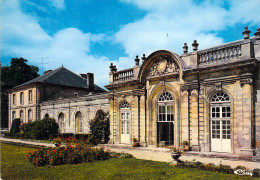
137,61
143,58
185,48
246,33
257,34
195,45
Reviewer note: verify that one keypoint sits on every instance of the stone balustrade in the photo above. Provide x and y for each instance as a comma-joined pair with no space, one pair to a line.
124,75
223,53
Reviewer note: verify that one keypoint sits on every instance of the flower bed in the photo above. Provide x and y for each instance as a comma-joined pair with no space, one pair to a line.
66,155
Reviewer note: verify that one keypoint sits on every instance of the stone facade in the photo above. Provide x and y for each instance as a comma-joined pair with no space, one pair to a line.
25,101
213,99
87,107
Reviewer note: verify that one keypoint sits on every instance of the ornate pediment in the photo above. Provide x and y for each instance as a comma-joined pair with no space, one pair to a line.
162,67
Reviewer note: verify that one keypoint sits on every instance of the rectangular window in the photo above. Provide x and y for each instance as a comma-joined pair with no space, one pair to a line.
14,99
21,97
13,115
30,96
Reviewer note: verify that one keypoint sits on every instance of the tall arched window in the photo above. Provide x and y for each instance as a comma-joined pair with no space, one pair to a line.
79,122
125,122
29,115
61,122
165,119
220,123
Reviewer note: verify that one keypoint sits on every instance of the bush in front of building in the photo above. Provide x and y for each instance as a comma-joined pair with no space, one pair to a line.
66,155
15,128
44,128
41,129
99,129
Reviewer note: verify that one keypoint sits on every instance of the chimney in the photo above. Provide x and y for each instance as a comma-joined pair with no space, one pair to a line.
45,72
83,75
90,81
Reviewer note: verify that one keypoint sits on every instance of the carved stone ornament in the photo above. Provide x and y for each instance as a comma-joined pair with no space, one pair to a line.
162,67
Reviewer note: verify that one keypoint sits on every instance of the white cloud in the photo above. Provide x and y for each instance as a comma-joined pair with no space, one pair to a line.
168,24
59,4
22,36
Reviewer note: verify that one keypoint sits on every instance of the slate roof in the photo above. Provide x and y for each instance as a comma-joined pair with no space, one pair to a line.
62,76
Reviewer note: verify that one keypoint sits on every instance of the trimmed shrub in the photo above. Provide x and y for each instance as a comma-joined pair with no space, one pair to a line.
44,128
28,129
15,127
40,129
100,130
256,172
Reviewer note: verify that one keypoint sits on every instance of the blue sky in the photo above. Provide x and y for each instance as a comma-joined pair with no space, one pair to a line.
87,35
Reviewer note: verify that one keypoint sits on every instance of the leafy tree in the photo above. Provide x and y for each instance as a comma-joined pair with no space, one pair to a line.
99,129
17,73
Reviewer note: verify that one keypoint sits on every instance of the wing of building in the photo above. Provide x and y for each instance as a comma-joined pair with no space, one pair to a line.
30,101
209,97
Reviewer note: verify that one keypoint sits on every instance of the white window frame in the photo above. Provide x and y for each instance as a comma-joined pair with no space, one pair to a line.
165,100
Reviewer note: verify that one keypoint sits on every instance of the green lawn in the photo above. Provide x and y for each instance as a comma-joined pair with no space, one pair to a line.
15,166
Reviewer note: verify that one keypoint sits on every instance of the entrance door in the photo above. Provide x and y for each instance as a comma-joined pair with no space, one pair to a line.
220,128
125,127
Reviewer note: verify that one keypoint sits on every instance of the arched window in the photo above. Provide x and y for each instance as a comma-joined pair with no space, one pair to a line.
165,119
125,122
46,115
125,105
21,116
79,122
220,122
61,122
29,115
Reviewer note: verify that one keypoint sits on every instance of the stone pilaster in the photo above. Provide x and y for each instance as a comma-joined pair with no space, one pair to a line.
185,116
194,120
246,120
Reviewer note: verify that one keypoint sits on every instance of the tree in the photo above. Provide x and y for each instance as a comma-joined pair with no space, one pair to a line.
17,73
99,129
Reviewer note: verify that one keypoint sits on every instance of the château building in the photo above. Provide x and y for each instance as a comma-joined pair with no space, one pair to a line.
208,97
